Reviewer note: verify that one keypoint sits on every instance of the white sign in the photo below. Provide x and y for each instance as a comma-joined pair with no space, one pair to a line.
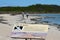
29,31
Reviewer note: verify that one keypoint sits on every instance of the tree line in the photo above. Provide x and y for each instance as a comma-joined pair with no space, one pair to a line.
34,8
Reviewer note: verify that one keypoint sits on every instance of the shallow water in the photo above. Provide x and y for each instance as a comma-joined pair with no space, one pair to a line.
53,18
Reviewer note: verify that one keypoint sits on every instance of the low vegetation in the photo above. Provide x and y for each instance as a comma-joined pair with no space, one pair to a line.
33,8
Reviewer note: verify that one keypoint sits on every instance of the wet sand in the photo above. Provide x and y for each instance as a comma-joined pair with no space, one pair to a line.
7,24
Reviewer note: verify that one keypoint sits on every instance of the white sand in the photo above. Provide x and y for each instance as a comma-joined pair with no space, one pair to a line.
5,29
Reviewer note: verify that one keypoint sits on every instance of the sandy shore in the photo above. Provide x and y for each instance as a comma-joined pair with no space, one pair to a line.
6,28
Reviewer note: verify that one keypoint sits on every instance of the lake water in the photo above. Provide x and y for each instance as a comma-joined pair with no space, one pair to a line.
52,18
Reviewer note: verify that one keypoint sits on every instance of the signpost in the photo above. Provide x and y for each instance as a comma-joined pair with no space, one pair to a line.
29,31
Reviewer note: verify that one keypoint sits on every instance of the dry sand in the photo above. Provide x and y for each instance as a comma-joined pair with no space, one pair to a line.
5,29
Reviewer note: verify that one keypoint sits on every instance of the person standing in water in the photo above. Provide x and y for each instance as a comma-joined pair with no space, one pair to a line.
27,15
23,15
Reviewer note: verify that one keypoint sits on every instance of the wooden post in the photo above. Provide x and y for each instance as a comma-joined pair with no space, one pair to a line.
26,39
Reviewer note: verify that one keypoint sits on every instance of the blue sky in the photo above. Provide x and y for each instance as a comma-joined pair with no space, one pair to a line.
27,2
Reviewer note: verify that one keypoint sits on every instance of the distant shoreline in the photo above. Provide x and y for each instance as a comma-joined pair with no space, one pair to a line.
38,8
17,12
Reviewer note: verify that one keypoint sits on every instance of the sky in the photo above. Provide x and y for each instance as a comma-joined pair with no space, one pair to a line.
27,2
